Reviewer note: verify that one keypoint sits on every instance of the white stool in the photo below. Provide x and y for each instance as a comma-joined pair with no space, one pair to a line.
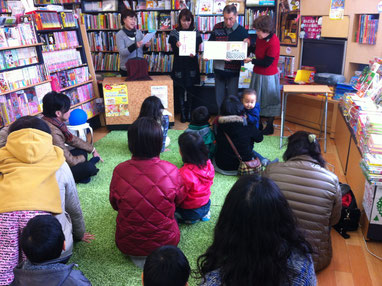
81,131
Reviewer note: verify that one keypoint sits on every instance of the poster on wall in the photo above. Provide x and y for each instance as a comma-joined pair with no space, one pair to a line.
161,92
337,8
311,27
116,100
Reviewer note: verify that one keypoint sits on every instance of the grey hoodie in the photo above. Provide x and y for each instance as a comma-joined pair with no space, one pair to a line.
50,273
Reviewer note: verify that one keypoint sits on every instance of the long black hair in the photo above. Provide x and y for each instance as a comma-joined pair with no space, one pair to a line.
152,107
304,143
254,236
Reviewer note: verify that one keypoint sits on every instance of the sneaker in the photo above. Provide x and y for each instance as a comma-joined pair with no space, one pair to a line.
207,217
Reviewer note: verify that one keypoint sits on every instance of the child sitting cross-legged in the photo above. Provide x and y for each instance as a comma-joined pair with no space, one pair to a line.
145,191
167,265
42,241
198,175
200,124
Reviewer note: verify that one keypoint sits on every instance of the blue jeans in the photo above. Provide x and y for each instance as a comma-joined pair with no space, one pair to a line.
257,155
165,125
194,214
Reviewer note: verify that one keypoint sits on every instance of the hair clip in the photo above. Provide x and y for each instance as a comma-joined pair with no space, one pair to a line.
312,138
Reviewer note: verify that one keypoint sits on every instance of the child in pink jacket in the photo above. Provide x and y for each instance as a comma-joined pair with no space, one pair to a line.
198,175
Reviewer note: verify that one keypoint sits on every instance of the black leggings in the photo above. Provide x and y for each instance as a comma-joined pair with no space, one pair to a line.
83,171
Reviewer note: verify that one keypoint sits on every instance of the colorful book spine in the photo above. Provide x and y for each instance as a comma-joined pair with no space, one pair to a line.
106,61
102,41
111,21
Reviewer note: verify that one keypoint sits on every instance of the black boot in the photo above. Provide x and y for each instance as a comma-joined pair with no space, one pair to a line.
188,107
182,104
269,130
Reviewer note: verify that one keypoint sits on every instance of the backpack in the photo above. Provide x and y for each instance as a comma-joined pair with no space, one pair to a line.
350,213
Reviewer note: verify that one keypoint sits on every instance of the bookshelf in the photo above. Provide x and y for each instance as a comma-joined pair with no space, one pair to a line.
57,54
256,9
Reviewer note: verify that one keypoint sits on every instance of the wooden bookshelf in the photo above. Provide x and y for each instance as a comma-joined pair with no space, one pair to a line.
20,47
25,87
80,103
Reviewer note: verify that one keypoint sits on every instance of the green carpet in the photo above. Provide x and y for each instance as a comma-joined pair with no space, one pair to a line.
100,260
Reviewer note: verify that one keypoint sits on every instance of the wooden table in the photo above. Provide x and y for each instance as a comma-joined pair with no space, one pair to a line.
298,89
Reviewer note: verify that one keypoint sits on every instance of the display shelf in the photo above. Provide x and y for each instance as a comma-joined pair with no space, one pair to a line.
56,30
60,49
76,85
104,51
95,30
20,47
68,68
79,104
18,67
25,87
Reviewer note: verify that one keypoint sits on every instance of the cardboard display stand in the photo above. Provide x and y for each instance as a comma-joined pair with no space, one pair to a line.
123,99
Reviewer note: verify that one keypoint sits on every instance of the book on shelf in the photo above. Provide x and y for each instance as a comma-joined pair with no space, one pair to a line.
46,20
165,21
286,66
251,15
159,62
207,23
68,19
102,41
205,6
23,77
58,40
240,5
367,29
106,61
160,43
80,94
18,57
294,5
67,78
62,59
102,21
20,35
101,6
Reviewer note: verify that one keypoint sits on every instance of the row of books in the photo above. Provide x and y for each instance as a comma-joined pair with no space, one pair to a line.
23,102
20,35
102,41
56,2
93,107
59,40
4,8
286,66
17,58
207,23
212,6
80,94
205,66
153,20
62,60
160,43
367,29
251,15
159,4
46,20
101,6
106,61
64,79
23,77
159,62
102,21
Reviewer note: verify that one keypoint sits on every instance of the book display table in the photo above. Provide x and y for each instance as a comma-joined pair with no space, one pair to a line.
301,89
123,99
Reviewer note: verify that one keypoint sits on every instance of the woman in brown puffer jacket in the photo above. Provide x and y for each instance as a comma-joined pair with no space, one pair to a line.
312,192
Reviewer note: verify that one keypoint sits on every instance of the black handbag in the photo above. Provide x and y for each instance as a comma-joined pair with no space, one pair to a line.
350,215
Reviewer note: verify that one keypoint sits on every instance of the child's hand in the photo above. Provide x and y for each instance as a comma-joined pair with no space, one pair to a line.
88,237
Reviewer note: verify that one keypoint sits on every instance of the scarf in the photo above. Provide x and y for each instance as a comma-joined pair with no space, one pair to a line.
60,125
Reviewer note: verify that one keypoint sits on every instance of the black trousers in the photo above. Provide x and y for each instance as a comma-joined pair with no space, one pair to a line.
83,171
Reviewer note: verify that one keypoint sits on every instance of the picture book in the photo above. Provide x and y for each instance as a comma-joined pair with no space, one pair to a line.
293,5
9,60
219,6
32,100
3,83
23,102
3,39
164,21
240,5
206,6
15,105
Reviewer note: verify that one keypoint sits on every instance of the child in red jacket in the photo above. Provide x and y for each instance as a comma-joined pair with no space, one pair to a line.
145,191
198,175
